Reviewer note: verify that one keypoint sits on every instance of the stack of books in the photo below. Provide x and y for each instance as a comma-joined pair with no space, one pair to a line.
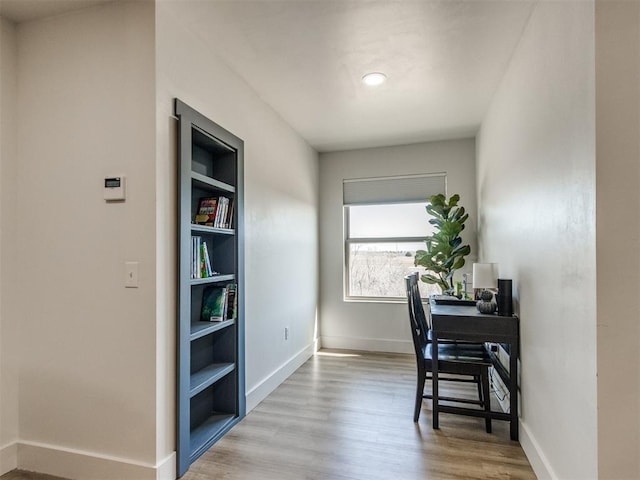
200,259
215,212
219,303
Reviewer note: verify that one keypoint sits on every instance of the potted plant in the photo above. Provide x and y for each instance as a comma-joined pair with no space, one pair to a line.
444,253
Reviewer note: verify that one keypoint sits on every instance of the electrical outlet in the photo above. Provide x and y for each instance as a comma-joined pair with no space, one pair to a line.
286,333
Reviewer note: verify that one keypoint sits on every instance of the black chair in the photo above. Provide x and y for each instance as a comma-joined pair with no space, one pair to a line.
425,320
470,362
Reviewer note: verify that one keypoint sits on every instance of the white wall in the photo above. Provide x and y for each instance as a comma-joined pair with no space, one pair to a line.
97,361
618,236
86,110
281,199
8,327
536,195
380,326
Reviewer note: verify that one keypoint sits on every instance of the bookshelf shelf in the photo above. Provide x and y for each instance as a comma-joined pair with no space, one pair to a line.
200,329
208,376
206,434
214,231
210,184
210,355
214,279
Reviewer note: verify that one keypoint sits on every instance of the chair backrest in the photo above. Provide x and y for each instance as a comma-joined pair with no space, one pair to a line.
424,319
417,318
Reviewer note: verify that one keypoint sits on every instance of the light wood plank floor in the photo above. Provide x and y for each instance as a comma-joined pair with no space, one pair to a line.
349,416
22,475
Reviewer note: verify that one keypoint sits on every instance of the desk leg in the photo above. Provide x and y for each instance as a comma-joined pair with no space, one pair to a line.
513,389
434,379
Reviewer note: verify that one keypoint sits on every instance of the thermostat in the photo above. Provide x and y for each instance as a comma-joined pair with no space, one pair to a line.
114,188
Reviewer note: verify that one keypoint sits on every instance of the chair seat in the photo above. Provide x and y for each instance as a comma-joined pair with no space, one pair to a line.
467,353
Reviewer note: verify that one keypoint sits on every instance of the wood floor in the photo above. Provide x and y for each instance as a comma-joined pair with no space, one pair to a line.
22,475
349,416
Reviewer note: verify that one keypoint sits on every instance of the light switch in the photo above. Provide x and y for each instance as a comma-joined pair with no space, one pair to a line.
131,274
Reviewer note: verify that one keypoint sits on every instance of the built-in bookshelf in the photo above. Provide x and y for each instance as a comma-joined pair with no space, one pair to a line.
210,331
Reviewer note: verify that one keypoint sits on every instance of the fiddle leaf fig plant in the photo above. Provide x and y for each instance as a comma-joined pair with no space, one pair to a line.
444,252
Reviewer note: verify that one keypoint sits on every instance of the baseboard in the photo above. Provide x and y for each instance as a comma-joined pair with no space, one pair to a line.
8,458
69,463
279,375
166,470
368,344
535,455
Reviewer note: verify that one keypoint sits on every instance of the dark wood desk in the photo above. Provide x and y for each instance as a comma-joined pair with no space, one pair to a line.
466,323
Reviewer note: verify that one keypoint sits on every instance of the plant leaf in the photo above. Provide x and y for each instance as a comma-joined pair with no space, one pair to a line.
444,252
429,279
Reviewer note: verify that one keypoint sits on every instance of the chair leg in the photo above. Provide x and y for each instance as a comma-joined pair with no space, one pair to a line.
419,393
486,394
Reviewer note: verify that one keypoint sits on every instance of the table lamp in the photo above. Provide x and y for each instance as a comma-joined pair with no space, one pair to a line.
485,276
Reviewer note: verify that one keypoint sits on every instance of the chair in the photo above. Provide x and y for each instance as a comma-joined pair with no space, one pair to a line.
470,362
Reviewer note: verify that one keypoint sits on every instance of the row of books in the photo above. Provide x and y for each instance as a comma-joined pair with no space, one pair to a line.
200,259
219,303
215,212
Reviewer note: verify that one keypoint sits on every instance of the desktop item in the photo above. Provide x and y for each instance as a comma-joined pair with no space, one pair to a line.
505,297
484,277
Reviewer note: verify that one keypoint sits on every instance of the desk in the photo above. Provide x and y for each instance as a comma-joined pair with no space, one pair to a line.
466,323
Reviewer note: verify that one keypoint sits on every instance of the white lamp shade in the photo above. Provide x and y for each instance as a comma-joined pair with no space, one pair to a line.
485,275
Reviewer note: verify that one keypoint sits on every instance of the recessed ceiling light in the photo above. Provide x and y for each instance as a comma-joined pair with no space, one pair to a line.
375,78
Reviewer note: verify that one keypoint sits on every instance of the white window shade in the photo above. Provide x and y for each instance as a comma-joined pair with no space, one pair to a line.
401,189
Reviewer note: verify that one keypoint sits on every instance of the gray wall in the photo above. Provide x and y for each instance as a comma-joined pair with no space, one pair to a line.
281,202
536,195
96,99
87,346
380,326
618,236
8,325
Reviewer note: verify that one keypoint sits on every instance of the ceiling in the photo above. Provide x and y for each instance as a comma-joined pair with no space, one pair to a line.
305,58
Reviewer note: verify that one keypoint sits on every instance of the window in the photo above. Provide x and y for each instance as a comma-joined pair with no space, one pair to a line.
381,237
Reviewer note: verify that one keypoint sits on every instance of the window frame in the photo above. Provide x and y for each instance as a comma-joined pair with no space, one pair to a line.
348,241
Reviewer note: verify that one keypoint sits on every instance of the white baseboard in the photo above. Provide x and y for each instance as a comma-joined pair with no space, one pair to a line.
279,375
166,470
8,458
69,463
368,344
535,455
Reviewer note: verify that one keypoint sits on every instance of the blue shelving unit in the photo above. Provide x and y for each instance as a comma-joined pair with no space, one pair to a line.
210,355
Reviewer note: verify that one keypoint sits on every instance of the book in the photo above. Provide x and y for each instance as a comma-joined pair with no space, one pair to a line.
207,261
201,266
204,273
231,301
191,266
214,301
207,209
223,208
230,214
196,270
216,220
235,303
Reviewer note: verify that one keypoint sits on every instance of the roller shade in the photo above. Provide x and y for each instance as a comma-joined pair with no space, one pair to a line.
401,189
